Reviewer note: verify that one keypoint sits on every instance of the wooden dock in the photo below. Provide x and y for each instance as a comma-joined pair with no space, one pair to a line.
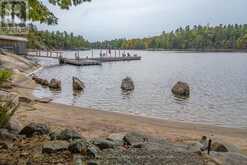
112,59
79,62
82,61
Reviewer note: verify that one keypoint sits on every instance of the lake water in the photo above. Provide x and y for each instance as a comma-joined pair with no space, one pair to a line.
218,84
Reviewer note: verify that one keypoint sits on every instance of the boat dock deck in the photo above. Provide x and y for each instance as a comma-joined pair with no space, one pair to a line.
84,62
96,61
112,59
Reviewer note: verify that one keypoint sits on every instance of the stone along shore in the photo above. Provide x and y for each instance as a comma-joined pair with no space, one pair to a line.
36,144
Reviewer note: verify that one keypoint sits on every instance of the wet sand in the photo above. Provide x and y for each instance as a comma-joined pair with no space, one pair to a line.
95,123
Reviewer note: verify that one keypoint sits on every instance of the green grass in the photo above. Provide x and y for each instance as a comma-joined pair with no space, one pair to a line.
5,75
6,111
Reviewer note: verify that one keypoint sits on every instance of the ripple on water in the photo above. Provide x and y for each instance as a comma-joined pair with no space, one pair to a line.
218,86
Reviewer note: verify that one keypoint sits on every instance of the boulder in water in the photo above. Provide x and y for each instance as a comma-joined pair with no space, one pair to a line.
127,84
78,84
181,89
55,84
44,82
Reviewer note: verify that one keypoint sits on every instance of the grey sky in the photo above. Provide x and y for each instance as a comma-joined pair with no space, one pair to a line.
110,19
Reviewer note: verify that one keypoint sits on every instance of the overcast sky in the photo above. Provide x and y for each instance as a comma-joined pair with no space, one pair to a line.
110,19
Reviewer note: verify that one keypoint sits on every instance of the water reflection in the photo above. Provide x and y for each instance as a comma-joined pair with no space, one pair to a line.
180,100
218,86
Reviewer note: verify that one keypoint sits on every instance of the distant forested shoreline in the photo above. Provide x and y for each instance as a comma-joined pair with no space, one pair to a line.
189,38
195,38
55,40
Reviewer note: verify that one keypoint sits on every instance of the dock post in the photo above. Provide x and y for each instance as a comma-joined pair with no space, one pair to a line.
100,52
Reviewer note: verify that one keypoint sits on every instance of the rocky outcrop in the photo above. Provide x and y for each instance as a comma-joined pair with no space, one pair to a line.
181,89
127,84
135,148
55,84
18,63
141,148
35,129
78,85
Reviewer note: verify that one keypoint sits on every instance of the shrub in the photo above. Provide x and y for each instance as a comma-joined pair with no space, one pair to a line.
5,75
8,104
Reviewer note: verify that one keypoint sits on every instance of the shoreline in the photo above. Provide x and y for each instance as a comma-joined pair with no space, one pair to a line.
93,123
152,117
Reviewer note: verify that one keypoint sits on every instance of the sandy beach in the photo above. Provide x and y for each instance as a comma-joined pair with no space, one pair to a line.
95,123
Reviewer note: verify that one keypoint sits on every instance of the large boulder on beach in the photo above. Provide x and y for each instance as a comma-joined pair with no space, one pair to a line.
77,84
14,125
104,144
132,138
181,89
219,147
35,129
55,84
55,146
68,134
6,135
127,84
79,146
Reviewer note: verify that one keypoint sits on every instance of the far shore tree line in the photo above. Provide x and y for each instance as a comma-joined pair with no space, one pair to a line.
55,40
196,37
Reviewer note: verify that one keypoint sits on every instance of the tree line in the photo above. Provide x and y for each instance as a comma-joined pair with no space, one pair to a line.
55,40
196,37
